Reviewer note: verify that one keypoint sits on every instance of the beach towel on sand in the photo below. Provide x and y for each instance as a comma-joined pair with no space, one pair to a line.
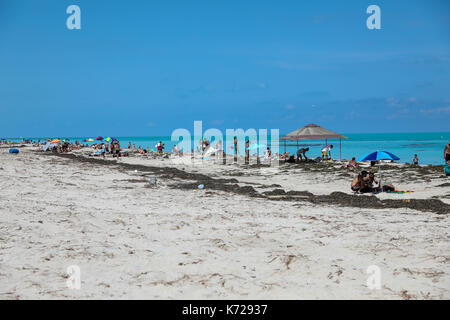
396,191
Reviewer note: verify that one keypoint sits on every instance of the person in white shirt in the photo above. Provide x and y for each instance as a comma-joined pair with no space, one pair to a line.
175,150
268,154
326,152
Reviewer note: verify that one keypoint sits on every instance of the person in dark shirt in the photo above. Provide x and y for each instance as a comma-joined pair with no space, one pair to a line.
301,152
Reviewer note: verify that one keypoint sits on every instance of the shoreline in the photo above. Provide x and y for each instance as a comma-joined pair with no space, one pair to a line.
428,145
154,234
231,185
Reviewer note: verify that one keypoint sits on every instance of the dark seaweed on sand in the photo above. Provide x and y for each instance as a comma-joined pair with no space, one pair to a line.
231,185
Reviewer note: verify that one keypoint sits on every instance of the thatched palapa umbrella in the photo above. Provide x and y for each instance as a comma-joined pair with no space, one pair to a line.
312,132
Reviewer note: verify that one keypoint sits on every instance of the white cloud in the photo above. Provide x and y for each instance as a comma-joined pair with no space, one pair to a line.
436,110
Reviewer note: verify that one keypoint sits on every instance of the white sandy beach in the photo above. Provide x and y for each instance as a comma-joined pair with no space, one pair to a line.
134,240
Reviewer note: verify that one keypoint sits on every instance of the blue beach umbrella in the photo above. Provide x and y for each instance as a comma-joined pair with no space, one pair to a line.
379,155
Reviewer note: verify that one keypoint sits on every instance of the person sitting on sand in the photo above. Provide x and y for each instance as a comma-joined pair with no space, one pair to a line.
415,160
352,164
301,152
288,158
367,184
358,181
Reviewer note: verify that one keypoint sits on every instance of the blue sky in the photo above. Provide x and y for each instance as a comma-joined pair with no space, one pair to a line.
149,67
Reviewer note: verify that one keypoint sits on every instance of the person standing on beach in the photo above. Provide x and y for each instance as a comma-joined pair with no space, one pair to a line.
117,150
268,154
205,144
160,147
219,151
247,151
447,152
326,152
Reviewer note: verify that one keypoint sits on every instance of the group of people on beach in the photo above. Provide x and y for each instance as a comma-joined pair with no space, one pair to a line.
112,148
301,155
364,183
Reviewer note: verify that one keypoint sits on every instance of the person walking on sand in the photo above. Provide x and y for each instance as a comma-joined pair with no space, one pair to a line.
326,152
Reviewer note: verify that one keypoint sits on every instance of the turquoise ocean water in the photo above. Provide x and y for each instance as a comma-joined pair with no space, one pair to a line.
428,146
